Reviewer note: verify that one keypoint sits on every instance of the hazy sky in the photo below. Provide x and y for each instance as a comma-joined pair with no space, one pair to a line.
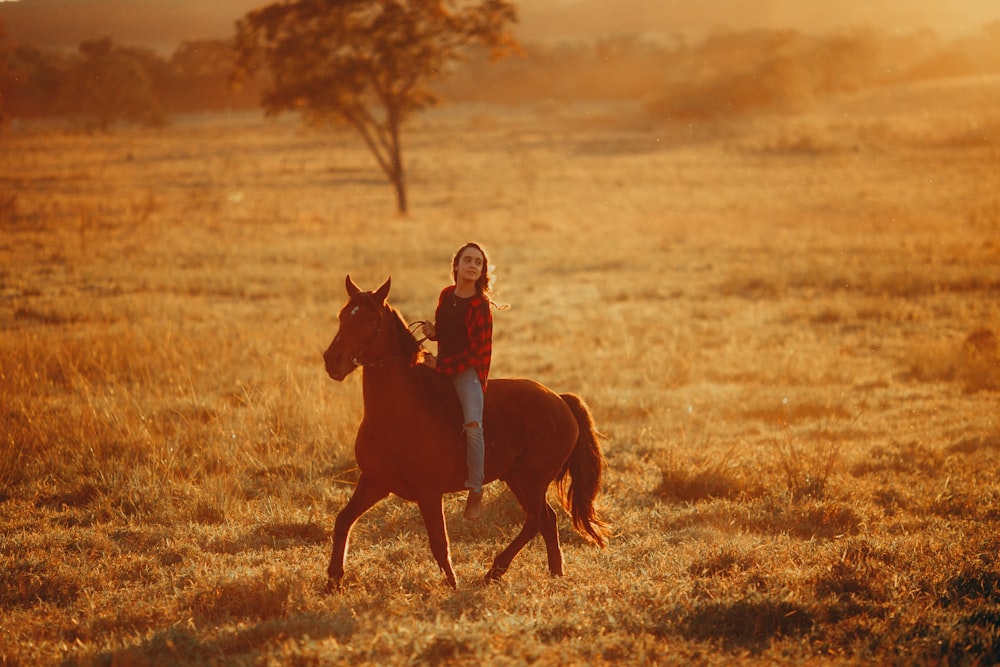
163,24
586,17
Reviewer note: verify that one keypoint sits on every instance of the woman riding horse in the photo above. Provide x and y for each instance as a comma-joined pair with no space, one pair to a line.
407,443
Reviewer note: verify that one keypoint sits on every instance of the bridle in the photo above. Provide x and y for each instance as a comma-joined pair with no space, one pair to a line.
361,350
378,330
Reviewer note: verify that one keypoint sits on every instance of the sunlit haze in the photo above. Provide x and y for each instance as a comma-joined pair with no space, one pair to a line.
589,17
164,24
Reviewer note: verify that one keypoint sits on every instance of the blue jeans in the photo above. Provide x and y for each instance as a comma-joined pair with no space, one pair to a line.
470,395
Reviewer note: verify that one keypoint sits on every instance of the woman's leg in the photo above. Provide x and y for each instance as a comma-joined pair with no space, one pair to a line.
470,395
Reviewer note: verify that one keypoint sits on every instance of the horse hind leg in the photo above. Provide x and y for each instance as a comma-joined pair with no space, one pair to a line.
503,559
550,533
538,517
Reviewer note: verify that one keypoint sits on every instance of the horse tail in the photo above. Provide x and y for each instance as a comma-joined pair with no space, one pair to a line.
585,468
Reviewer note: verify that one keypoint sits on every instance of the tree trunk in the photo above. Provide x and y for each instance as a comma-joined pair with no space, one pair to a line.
399,185
398,171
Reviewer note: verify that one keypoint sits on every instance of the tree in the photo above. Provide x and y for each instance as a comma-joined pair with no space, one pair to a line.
109,83
200,72
29,79
366,64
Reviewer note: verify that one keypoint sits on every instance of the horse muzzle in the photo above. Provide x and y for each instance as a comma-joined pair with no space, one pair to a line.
337,365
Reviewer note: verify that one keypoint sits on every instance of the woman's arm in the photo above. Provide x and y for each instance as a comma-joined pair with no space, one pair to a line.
430,329
480,329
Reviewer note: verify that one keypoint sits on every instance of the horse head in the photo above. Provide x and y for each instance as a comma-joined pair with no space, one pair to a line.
360,338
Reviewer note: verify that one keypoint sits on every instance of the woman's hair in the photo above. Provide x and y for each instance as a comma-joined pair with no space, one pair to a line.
485,282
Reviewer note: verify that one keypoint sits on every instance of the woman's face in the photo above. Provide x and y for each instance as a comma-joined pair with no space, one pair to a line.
470,264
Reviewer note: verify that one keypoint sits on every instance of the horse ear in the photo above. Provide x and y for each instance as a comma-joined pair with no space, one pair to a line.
352,287
382,293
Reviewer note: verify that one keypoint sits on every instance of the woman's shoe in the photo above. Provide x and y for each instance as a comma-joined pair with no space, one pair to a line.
474,505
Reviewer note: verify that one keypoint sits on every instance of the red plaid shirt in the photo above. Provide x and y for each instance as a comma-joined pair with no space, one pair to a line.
479,329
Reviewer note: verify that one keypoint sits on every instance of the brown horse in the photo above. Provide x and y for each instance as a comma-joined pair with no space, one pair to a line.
411,441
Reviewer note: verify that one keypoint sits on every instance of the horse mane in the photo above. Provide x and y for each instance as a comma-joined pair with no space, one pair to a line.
433,389
410,348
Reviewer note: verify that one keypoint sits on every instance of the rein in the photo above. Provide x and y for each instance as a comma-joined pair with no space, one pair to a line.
416,325
392,357
376,362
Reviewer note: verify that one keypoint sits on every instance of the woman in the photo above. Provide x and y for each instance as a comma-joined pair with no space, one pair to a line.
463,329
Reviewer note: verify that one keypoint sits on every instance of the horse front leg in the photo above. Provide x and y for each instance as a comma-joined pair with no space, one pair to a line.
432,511
365,495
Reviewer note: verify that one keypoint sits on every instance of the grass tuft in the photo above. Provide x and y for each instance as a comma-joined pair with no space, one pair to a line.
691,479
728,560
808,465
263,595
31,582
749,624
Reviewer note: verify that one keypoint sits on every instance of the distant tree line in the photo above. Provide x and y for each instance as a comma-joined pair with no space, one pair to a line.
724,74
104,83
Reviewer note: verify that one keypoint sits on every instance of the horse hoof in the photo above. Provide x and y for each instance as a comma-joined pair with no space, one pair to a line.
333,586
495,574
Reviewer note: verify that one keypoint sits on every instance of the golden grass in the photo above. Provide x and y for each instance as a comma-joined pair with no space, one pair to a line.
785,326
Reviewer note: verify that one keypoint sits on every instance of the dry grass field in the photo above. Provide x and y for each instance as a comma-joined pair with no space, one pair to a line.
786,327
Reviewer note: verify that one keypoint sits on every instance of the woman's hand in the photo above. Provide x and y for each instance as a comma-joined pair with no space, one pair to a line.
428,330
430,360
